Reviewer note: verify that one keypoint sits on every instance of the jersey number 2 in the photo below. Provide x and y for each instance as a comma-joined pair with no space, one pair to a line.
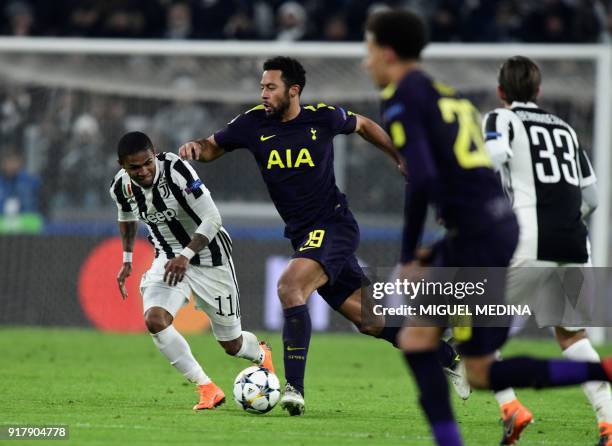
469,147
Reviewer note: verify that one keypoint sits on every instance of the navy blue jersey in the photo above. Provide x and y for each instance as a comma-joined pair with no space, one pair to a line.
296,160
438,134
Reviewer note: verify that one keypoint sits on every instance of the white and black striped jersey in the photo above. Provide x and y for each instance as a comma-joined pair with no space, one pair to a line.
543,169
173,208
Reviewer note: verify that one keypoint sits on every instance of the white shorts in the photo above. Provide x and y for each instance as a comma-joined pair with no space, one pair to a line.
214,288
542,285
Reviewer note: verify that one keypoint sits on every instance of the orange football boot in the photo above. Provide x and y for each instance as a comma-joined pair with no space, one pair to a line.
515,418
211,396
267,361
605,434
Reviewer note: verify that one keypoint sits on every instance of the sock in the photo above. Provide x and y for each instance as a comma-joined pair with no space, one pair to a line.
446,355
174,347
250,348
597,392
524,371
296,339
434,397
505,396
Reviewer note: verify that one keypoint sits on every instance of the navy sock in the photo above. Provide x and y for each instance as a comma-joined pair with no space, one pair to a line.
446,355
523,371
389,333
434,396
296,339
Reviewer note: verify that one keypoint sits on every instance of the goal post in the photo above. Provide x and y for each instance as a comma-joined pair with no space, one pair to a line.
67,89
335,74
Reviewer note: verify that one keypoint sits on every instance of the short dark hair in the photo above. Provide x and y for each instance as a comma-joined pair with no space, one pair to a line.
293,72
133,142
401,30
520,78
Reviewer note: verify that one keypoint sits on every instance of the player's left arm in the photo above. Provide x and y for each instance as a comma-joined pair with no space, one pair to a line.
199,200
376,135
496,128
588,182
411,140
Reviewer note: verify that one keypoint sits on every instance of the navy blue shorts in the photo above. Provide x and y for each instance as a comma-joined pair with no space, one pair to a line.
494,248
332,244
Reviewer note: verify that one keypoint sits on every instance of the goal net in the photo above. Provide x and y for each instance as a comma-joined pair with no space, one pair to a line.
65,103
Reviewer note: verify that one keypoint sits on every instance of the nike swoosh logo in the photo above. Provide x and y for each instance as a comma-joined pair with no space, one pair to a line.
290,349
509,425
304,248
265,138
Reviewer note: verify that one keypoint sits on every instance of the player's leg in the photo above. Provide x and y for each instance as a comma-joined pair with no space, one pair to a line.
357,309
420,346
216,292
299,280
524,279
172,344
161,303
525,371
479,351
576,346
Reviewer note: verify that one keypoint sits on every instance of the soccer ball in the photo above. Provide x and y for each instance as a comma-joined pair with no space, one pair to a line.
256,390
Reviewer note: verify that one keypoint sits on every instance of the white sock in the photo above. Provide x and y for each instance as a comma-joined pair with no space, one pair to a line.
598,392
174,347
250,348
506,395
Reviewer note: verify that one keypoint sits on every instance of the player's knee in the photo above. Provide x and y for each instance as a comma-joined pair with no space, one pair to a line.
157,321
368,329
567,338
477,370
290,294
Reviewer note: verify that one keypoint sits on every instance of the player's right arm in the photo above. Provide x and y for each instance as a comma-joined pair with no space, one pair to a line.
127,229
204,150
233,136
128,226
407,129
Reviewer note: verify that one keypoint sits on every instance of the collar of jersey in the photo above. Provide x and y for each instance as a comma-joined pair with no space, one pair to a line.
523,104
157,170
388,92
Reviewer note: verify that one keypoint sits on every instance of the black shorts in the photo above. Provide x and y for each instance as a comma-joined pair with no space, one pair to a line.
332,244
493,248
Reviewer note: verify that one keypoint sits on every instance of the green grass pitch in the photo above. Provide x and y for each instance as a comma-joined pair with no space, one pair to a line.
116,389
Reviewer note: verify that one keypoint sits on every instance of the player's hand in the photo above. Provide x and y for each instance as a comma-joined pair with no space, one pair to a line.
124,273
191,150
175,270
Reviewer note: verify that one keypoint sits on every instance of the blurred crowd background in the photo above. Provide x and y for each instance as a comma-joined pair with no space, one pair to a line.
329,20
63,138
